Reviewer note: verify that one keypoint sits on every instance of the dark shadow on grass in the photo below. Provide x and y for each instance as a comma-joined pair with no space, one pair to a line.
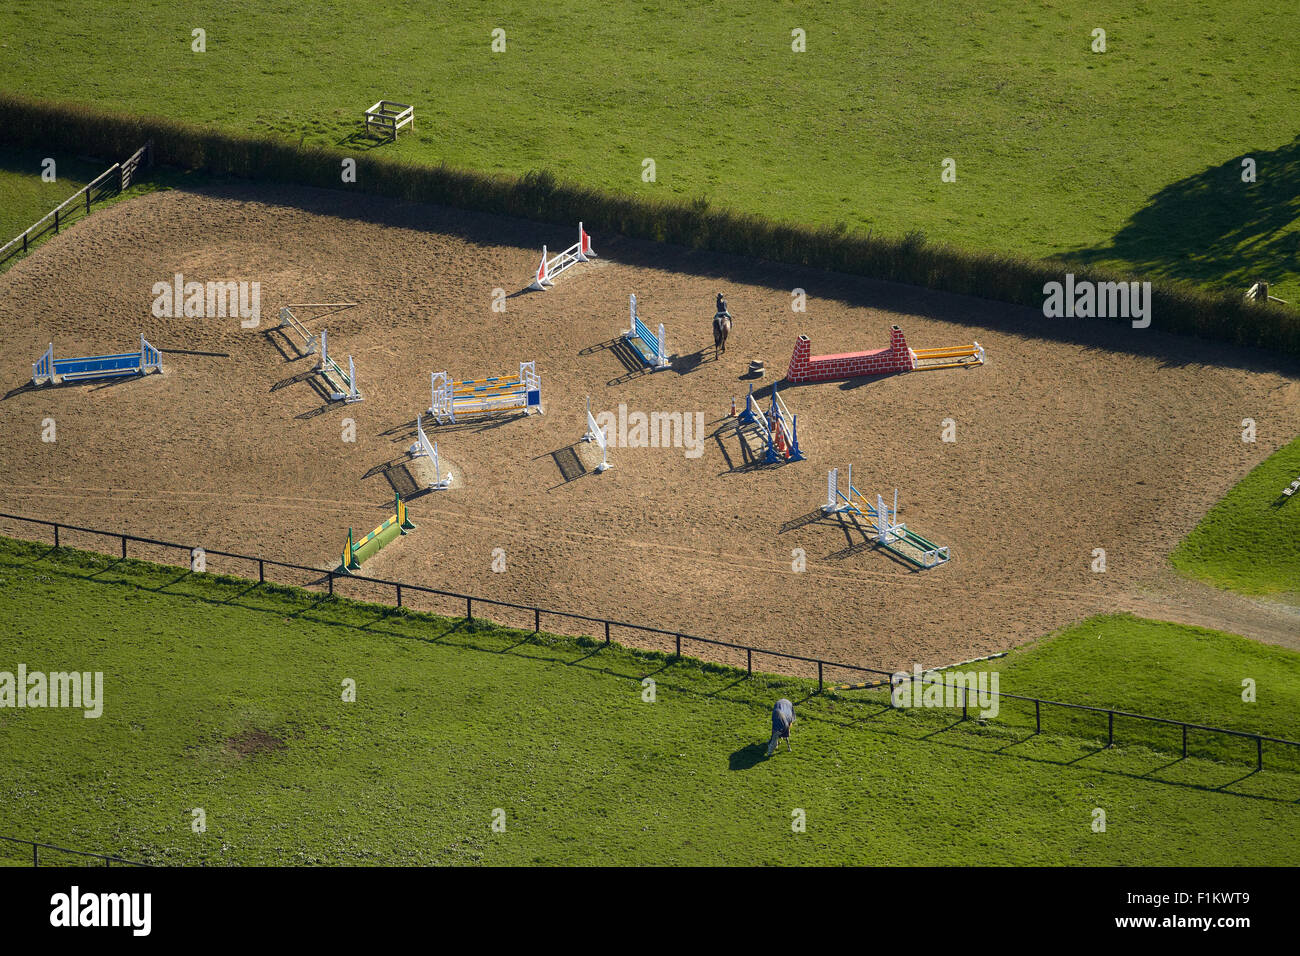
1166,766
804,699
1015,743
880,711
747,757
743,678
360,140
1233,783
1212,228
591,653
667,663
48,551
520,643
1090,753
941,730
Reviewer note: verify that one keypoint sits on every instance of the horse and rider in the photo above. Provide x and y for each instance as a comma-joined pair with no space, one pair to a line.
721,326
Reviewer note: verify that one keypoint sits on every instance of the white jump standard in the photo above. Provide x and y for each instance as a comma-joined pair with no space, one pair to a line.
310,342
551,267
652,349
597,434
343,384
422,449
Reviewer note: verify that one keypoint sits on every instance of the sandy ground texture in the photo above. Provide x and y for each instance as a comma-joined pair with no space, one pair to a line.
1076,435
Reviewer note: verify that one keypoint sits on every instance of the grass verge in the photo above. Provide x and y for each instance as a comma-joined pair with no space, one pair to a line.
228,697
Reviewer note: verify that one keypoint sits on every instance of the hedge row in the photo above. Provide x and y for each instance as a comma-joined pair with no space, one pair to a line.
38,124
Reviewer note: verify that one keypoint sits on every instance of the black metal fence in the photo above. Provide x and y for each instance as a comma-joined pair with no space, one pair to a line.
726,652
36,848
114,180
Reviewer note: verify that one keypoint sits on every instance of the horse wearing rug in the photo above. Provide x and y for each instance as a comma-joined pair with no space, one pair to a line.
782,720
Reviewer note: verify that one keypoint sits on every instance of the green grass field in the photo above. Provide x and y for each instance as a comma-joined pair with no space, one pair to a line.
1250,541
225,696
1128,158
1161,669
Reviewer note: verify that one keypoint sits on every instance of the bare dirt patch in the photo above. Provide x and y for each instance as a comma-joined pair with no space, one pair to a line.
248,743
1073,436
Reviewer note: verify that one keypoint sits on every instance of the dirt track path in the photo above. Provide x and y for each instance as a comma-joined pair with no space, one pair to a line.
1072,437
1171,597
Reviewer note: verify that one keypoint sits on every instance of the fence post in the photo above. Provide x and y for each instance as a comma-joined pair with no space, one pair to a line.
56,534
679,645
749,662
537,624
1259,753
469,609
261,571
123,547
607,632
36,855
331,577
399,595
1038,716
819,677
56,222
1110,729
87,200
963,703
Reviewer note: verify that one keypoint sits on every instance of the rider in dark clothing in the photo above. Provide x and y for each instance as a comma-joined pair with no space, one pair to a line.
722,305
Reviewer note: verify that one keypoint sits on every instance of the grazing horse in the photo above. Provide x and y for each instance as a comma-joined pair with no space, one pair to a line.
782,720
721,329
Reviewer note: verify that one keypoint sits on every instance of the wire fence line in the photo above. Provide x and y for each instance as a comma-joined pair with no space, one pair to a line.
35,847
803,665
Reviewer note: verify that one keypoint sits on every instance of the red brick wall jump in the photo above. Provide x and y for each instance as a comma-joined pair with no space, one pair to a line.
806,367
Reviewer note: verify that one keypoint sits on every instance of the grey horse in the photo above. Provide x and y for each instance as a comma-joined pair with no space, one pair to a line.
782,720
